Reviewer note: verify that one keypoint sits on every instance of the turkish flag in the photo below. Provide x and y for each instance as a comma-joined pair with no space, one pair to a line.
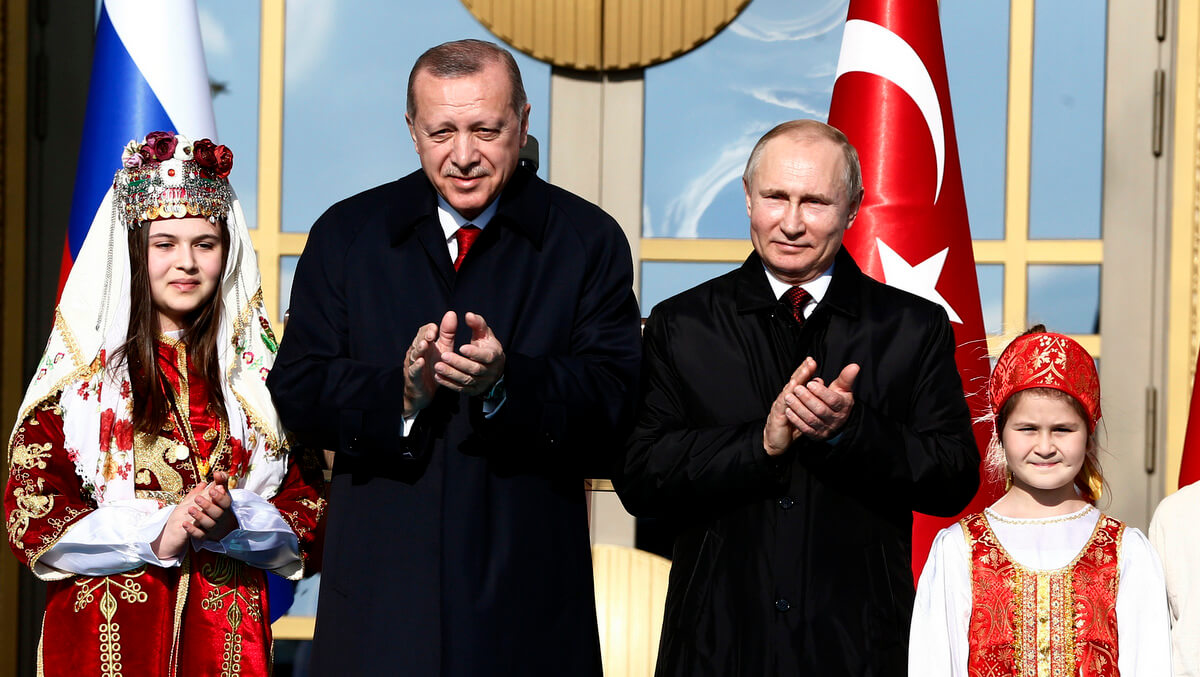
892,99
1189,468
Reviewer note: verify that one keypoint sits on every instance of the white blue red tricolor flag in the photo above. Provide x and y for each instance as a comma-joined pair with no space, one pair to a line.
892,100
148,74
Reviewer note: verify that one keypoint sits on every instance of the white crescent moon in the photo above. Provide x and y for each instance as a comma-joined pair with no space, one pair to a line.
870,48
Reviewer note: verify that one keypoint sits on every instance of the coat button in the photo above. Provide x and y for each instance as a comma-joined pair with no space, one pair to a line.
786,502
782,604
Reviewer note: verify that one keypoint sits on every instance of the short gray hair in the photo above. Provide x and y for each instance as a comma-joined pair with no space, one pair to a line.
462,58
810,129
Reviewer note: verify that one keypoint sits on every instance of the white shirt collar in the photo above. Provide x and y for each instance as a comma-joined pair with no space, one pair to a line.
816,288
451,220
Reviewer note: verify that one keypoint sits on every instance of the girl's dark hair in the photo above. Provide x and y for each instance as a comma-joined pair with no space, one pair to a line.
151,408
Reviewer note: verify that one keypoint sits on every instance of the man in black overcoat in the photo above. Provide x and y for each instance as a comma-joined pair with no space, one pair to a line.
793,413
468,380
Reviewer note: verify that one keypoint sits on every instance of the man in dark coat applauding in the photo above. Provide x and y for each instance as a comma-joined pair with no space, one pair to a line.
466,339
793,413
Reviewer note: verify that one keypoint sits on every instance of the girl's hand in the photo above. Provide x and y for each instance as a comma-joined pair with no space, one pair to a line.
173,538
210,515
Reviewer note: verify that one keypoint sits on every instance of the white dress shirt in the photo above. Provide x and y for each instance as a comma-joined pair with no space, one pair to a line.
816,288
451,221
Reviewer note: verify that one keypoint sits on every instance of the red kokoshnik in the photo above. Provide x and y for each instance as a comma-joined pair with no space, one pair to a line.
1046,360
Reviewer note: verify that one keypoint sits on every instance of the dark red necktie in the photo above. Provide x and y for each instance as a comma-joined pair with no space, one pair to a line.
466,237
796,298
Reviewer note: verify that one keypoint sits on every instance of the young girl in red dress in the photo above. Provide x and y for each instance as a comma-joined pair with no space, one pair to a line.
149,479
1041,583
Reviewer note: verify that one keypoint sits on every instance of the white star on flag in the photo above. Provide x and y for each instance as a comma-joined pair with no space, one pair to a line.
920,279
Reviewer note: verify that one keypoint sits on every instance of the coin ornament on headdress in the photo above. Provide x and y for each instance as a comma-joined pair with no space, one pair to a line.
169,176
1047,360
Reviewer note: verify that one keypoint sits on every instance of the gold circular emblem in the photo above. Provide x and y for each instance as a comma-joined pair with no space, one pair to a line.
603,35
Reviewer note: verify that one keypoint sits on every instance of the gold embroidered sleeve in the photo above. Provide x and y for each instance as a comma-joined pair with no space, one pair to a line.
43,496
301,499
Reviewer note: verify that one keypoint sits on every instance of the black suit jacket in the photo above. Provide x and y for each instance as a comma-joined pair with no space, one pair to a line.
799,566
462,549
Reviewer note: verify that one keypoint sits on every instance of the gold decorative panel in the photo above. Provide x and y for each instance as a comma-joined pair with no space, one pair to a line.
605,35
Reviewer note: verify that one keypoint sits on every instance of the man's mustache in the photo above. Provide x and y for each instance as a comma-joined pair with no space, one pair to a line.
478,171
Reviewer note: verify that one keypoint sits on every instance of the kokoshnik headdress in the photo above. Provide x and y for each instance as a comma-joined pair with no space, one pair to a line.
164,176
169,176
1047,360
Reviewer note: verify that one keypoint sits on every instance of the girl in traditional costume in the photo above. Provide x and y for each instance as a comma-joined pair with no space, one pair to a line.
1042,584
149,479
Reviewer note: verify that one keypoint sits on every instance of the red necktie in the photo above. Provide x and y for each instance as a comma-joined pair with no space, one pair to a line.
466,237
796,298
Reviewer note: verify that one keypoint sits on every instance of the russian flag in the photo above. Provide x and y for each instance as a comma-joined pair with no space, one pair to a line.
148,74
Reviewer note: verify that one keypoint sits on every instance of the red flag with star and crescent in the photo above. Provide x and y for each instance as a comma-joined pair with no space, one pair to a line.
891,98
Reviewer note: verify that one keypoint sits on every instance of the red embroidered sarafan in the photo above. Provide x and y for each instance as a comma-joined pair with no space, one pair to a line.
206,617
1030,623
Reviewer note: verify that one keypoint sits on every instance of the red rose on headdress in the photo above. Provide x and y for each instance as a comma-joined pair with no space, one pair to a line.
202,153
224,161
161,145
216,159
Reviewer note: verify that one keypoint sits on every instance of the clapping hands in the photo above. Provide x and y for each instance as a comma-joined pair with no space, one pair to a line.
807,407
431,361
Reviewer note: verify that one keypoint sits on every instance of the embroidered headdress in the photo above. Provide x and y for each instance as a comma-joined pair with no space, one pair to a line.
92,321
169,176
1047,360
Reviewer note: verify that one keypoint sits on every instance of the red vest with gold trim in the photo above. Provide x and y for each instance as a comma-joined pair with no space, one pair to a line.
1029,623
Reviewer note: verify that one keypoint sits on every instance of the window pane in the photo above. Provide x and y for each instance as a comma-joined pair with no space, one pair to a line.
230,31
991,295
1067,161
975,35
287,273
663,279
345,76
706,109
1065,298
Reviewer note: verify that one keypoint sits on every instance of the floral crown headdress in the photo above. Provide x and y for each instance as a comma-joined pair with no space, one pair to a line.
170,176
1047,360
